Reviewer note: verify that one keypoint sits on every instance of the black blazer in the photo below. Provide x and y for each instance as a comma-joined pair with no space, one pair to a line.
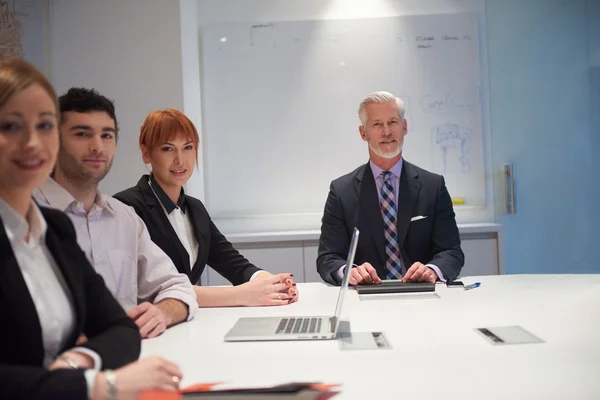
353,201
214,249
110,332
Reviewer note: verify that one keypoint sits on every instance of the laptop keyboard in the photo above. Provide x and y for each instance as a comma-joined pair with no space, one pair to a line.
298,325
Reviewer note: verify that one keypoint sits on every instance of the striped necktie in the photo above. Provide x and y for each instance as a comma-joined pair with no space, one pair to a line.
389,212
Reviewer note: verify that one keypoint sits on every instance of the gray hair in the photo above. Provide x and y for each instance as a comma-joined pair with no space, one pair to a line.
379,97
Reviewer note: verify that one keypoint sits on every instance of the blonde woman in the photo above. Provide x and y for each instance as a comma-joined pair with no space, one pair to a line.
49,293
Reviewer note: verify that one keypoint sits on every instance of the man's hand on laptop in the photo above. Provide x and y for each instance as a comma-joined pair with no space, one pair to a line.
364,274
419,272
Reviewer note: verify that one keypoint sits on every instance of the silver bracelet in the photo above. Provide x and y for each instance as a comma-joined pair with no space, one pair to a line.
111,380
69,361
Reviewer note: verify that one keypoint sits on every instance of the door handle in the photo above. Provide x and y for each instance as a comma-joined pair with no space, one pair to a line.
509,174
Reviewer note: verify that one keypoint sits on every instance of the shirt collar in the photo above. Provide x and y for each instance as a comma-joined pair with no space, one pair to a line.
58,197
164,199
396,170
18,227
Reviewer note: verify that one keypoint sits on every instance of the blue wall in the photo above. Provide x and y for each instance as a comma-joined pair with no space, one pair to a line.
593,18
544,119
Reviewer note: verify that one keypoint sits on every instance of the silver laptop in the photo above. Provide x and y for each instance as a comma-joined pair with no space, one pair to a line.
295,328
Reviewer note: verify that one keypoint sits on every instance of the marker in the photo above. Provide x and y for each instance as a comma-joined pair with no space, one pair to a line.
458,201
473,286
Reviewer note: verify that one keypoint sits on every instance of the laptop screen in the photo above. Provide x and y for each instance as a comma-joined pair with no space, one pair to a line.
344,285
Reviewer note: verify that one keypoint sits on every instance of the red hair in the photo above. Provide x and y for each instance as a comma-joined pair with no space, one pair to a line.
161,126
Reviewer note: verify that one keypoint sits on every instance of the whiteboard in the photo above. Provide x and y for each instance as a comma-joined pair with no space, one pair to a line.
280,107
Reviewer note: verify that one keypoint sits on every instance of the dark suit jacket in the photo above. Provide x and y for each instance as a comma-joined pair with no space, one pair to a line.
214,249
353,202
110,332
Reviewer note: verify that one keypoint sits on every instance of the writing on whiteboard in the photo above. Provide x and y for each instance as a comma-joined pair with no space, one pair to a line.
445,38
449,103
262,34
452,144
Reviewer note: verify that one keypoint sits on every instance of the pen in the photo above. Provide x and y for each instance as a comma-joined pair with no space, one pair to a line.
472,286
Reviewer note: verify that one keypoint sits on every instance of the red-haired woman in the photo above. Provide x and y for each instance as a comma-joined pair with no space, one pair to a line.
181,226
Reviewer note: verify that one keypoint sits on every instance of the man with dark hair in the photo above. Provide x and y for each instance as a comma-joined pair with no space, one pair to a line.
85,100
111,234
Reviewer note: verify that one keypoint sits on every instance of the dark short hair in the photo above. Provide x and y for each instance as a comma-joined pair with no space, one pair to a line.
84,100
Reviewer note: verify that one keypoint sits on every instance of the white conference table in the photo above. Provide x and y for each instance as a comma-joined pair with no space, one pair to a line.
435,351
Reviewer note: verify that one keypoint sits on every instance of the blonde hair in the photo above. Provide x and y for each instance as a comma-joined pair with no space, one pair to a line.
16,75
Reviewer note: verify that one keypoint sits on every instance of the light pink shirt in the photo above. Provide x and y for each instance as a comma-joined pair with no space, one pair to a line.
118,245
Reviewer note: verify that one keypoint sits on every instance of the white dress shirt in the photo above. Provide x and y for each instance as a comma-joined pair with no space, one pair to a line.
46,284
118,245
180,221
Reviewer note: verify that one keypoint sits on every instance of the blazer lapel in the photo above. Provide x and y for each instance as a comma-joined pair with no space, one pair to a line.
66,268
195,219
158,214
19,302
408,193
369,202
